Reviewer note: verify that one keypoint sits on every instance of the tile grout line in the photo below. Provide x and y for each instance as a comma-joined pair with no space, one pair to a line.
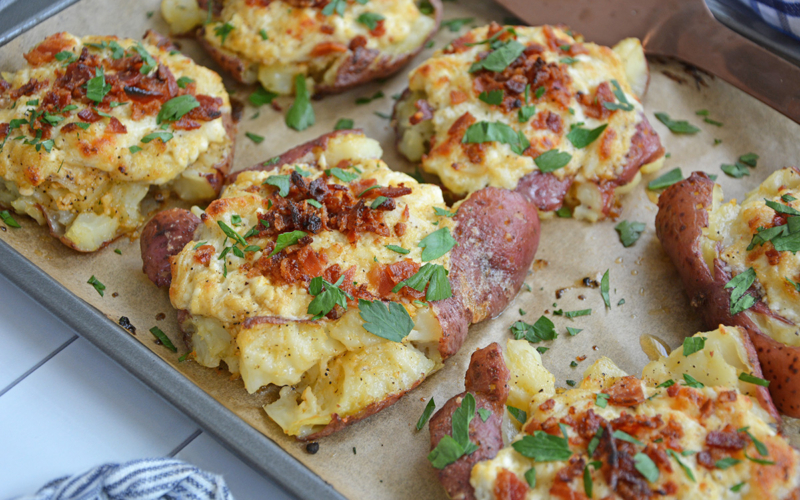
185,443
38,365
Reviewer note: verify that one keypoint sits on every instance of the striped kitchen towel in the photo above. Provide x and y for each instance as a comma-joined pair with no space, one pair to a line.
781,14
148,479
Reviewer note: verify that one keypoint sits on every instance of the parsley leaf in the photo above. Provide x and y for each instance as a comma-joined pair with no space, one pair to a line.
623,104
258,139
520,415
665,384
261,96
685,467
481,132
398,249
341,174
9,220
391,323
441,212
530,477
286,240
484,414
282,182
752,379
436,244
692,345
301,114
736,170
604,288
164,136
629,232
176,107
326,297
366,100
543,447
574,314
494,97
434,276
646,467
666,180
222,31
426,414
500,58
184,81
677,126
552,160
781,208
454,25
452,448
525,113
749,159
543,329
162,337
149,62
740,301
582,137
96,284
337,6
370,20
726,462
573,331
343,124
692,382
601,399
97,88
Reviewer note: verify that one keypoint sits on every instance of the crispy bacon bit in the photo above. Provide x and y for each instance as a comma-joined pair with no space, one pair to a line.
328,30
424,112
89,115
461,44
553,41
116,127
4,85
4,127
636,424
327,48
509,487
290,265
673,390
593,105
46,51
727,397
455,135
547,405
380,29
457,97
727,440
561,486
705,459
203,254
29,88
627,391
358,42
70,127
385,276
400,228
548,120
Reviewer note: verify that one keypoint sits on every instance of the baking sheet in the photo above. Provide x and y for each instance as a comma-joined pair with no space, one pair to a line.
385,454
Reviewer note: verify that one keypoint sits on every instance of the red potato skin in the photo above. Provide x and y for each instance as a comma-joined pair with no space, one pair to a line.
361,66
682,215
483,283
487,380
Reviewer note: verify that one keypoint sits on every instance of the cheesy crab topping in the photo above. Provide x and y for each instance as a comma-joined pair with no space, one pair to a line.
277,40
89,124
678,439
763,234
349,220
501,103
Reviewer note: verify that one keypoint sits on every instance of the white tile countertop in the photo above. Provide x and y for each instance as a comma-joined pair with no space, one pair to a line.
65,407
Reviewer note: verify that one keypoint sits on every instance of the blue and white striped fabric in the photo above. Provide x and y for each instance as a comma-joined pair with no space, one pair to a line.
148,479
781,14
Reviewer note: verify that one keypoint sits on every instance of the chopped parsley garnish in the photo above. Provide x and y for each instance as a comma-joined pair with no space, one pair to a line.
604,285
436,244
451,448
164,136
97,88
752,379
484,414
758,460
370,20
97,285
282,182
343,124
564,212
174,109
712,122
624,436
601,399
646,467
494,97
261,96
434,276
749,159
677,126
520,415
573,331
665,384
525,113
398,249
67,57
740,300
575,314
795,284
623,104
184,81
726,462
263,34
222,31
760,447
629,232
504,54
390,322
735,170
149,62
134,149
692,382
337,6
543,447
441,212
666,180
366,100
426,414
326,297
162,337
481,132
736,487
781,208
692,345
118,251
582,137
378,202
301,114
552,160
258,139
543,329
454,25
314,203
9,220
341,174
286,240
701,112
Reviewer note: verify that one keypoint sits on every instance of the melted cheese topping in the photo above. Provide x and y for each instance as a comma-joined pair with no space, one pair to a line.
297,37
734,225
687,409
329,366
445,82
89,184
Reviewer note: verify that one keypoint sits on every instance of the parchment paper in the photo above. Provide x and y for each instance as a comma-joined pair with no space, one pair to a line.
384,456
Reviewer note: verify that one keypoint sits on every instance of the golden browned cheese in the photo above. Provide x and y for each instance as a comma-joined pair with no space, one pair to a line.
698,439
84,166
332,365
729,234
558,83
